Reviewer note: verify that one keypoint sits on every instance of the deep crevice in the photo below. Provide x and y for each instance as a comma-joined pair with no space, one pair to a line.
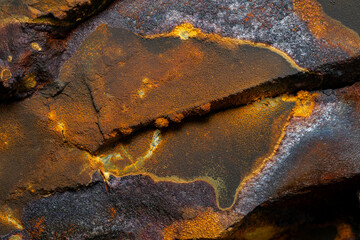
329,76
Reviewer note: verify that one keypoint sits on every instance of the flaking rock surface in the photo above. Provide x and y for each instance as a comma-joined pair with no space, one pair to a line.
179,119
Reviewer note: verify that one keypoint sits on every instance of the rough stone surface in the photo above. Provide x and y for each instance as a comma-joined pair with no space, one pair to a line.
179,119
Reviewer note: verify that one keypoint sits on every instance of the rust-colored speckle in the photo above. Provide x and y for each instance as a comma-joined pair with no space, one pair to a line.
10,132
5,74
305,103
206,107
38,229
161,123
206,225
176,117
112,214
126,131
36,46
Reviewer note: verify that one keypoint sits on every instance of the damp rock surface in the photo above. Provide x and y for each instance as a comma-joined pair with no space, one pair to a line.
179,119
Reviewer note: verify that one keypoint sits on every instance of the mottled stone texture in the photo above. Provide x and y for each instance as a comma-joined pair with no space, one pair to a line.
171,119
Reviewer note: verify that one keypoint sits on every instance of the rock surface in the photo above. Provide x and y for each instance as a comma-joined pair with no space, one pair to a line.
179,120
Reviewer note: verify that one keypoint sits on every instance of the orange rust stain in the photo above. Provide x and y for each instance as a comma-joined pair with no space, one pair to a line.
344,231
36,46
187,30
266,160
176,117
255,115
205,225
206,107
126,131
324,27
146,86
52,115
7,217
9,134
56,124
4,142
112,214
305,103
239,125
162,123
5,75
38,228
128,96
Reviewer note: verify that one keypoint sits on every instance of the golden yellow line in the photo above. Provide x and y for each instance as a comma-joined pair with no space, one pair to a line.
187,30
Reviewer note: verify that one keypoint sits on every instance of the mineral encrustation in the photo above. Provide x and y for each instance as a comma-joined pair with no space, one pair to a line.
177,119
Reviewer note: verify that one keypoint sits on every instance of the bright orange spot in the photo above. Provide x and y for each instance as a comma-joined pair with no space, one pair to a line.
185,31
60,127
52,115
126,131
36,46
305,104
161,123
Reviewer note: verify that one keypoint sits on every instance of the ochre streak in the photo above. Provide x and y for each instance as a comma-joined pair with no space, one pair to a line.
325,27
8,218
187,30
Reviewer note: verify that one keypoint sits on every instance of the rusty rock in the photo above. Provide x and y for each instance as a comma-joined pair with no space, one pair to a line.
179,120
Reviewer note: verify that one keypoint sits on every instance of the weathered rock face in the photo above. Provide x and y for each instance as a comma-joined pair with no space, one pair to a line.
32,41
179,120
64,11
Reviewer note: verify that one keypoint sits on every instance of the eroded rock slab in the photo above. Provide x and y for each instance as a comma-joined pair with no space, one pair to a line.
136,207
134,81
222,149
33,40
126,94
272,178
297,27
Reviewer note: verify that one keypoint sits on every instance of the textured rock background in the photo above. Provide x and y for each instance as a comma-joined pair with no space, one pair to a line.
179,119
